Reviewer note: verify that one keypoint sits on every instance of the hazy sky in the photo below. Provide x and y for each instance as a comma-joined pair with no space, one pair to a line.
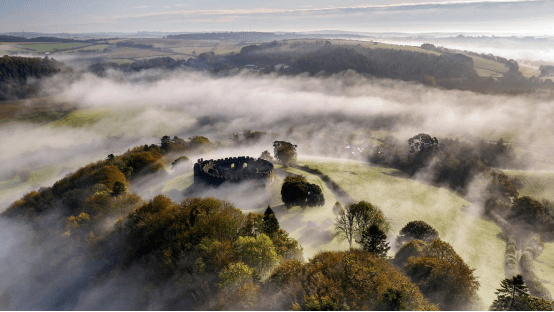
493,17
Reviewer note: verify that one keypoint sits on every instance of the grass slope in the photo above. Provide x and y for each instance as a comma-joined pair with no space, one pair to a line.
49,47
313,226
402,200
539,185
489,66
544,267
81,118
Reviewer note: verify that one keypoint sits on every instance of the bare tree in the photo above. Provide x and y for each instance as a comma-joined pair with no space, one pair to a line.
353,220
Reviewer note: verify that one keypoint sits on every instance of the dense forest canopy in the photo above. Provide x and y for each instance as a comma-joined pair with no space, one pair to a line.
15,73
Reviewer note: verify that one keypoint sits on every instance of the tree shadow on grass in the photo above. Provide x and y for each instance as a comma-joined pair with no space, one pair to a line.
315,236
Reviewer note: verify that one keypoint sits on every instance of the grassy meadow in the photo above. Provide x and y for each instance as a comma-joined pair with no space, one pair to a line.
475,238
50,47
538,185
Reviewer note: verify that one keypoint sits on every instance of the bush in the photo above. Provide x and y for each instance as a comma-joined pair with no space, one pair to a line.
416,230
295,191
442,276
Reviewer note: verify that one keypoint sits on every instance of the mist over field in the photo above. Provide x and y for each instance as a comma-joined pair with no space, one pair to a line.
337,118
535,50
320,114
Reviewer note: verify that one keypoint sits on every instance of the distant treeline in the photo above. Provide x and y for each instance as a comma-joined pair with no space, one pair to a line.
448,70
168,63
253,36
7,38
228,36
15,71
134,45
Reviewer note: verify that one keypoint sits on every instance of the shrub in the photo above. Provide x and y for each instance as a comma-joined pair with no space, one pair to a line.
416,230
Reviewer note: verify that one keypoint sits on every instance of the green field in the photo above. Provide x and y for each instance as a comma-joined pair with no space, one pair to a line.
120,61
81,118
381,45
544,266
403,200
529,70
487,68
95,47
179,183
538,185
9,48
50,47
35,179
487,73
313,226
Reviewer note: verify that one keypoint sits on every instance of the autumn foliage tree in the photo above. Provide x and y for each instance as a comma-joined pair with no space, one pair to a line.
284,152
344,280
441,275
416,230
203,239
270,222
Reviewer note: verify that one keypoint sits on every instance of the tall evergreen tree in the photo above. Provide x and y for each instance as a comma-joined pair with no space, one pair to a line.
374,241
270,223
513,296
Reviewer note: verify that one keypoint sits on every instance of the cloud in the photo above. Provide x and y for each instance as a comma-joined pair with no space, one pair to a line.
311,9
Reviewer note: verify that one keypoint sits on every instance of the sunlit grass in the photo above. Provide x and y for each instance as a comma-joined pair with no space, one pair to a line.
179,183
490,65
487,73
35,179
49,47
544,266
381,45
81,118
313,226
120,61
402,200
538,185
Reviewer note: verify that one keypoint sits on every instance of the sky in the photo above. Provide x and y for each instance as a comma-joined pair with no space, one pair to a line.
508,17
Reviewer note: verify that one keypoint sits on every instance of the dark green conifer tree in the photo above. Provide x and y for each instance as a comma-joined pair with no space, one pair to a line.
374,241
270,223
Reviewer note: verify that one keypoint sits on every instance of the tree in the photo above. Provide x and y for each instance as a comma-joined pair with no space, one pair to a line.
296,191
394,300
514,296
118,188
165,143
442,275
256,252
351,280
374,241
285,152
266,156
422,143
416,230
353,220
270,223
181,159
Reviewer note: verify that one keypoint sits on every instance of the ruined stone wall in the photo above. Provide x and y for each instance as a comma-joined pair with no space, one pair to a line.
234,170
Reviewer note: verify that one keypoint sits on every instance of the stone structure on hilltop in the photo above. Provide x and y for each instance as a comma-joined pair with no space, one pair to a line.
234,170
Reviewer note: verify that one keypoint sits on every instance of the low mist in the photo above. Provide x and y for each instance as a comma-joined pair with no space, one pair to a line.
326,116
322,115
